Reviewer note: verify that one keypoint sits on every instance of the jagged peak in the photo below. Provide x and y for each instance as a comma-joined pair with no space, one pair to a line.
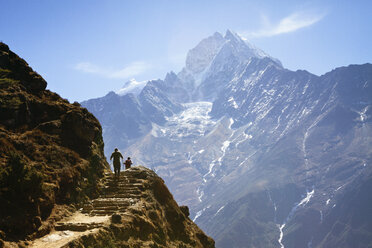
170,75
217,35
232,36
111,94
240,41
200,56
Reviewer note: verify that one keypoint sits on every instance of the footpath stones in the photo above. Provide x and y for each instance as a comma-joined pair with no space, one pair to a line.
117,195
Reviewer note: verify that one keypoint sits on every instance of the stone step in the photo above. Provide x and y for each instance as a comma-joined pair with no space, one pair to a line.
121,191
120,195
122,188
109,208
124,174
104,212
77,227
124,183
109,201
115,187
135,196
107,204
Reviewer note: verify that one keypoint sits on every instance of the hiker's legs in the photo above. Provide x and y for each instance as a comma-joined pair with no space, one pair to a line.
117,170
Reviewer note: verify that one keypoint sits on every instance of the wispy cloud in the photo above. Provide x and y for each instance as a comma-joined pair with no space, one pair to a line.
131,70
288,24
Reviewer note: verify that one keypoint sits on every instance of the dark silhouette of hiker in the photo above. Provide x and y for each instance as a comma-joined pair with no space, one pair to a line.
116,155
128,163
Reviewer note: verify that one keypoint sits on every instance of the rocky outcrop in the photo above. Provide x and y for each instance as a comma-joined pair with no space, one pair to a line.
51,151
19,70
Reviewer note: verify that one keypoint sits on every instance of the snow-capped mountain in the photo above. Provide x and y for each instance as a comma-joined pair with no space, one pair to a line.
263,156
132,86
212,63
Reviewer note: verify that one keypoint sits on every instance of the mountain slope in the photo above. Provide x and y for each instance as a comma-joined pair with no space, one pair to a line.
258,149
122,119
306,133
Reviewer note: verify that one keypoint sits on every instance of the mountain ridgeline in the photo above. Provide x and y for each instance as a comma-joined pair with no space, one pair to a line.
263,156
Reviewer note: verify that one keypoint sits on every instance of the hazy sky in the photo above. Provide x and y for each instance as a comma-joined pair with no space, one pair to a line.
85,48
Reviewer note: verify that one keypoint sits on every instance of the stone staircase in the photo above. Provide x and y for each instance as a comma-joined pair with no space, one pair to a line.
116,196
134,210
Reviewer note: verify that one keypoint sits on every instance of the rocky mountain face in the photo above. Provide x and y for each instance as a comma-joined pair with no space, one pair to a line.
56,189
51,151
263,156
125,118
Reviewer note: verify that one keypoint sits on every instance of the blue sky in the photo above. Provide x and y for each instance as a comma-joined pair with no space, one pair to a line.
85,48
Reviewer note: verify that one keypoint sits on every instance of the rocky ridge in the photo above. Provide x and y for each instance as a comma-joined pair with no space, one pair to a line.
51,151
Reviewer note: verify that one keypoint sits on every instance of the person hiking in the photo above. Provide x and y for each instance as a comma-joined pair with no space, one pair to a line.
116,155
128,163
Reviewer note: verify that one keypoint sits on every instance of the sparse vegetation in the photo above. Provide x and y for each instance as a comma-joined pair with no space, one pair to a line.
6,82
20,191
94,172
5,79
20,181
105,243
10,101
45,159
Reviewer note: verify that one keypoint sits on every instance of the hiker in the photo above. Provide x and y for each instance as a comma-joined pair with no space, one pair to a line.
128,163
116,155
